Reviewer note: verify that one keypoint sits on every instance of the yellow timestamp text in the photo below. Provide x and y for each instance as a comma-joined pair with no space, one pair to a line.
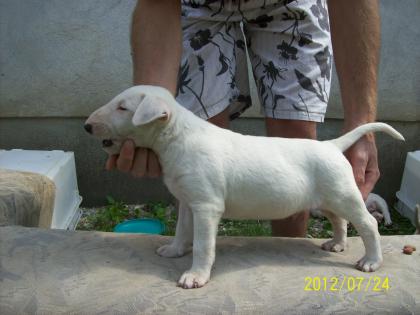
347,283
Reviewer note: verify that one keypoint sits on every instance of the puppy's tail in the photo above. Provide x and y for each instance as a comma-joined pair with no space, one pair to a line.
347,140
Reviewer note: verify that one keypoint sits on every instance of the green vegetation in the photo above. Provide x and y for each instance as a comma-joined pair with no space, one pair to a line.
107,217
164,213
244,228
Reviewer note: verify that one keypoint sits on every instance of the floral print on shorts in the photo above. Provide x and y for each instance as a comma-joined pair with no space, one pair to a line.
289,46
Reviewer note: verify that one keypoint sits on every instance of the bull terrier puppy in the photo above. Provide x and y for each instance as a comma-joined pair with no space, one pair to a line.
216,173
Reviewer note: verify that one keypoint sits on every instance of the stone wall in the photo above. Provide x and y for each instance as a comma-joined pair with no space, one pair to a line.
60,60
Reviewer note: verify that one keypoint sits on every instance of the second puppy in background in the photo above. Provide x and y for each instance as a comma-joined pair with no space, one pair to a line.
376,206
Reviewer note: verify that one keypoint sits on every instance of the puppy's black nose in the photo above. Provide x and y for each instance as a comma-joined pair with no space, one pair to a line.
107,143
88,128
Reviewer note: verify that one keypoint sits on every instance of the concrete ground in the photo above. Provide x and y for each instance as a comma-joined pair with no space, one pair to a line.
63,272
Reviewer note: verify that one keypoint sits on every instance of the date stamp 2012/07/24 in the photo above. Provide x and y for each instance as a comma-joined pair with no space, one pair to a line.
347,283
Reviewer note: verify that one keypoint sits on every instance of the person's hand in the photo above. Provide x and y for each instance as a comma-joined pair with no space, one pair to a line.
363,157
138,161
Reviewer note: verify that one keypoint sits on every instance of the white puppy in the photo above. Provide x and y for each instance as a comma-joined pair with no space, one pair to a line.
217,173
376,206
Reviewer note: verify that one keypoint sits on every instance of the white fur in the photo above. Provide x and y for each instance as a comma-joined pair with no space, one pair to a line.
217,173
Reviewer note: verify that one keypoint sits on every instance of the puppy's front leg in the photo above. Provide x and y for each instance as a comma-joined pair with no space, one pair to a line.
205,231
183,235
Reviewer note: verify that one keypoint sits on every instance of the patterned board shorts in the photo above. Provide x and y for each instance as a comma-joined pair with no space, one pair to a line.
289,46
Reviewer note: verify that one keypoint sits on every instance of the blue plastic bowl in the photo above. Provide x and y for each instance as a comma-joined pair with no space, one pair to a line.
145,226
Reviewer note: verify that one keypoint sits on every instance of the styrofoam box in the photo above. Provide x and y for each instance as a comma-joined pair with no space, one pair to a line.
409,193
60,167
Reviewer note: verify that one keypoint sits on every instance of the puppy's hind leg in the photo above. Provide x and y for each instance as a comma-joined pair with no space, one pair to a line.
354,210
339,225
183,235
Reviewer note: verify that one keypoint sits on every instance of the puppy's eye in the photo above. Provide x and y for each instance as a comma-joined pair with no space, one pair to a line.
121,108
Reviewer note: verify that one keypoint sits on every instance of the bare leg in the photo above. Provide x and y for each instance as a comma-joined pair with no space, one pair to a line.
221,119
183,235
339,225
295,225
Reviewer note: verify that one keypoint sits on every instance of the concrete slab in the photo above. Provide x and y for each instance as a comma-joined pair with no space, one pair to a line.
57,272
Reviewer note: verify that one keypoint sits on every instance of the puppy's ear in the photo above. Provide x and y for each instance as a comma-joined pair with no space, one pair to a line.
150,109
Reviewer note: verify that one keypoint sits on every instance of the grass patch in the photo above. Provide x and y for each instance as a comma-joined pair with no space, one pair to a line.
107,217
244,228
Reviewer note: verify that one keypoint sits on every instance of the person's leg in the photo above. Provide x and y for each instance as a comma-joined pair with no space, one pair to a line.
295,225
291,61
221,120
213,74
203,87
207,84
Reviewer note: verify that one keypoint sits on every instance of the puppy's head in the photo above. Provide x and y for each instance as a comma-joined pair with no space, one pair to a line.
137,113
373,206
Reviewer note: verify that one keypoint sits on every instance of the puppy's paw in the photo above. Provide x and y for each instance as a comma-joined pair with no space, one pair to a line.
193,279
171,251
368,264
332,246
388,222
